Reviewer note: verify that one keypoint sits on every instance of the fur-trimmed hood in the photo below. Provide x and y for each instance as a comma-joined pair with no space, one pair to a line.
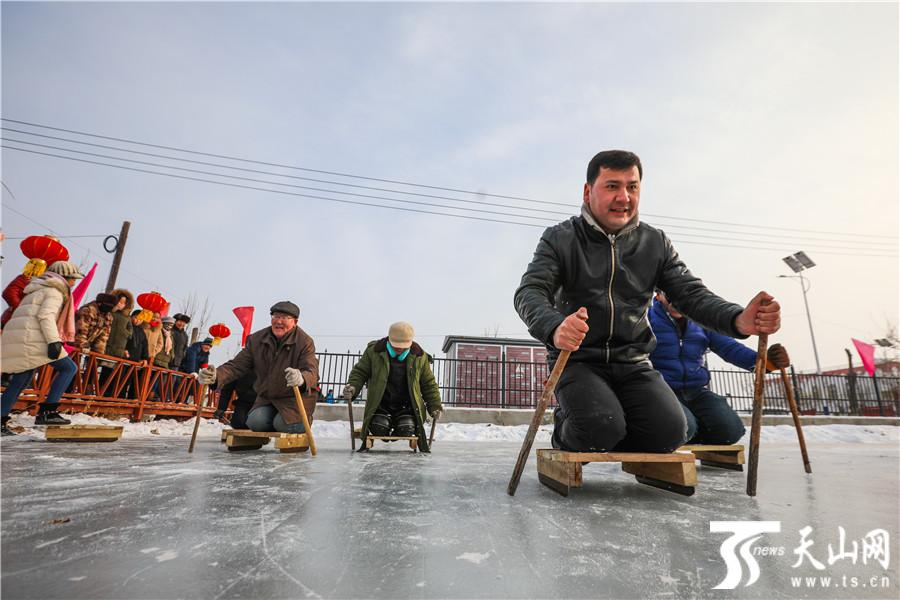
129,299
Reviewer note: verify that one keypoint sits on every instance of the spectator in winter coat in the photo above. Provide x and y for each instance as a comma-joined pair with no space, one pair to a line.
163,358
197,354
136,348
153,331
587,291
282,356
401,386
121,327
13,294
179,340
241,391
34,337
93,322
681,347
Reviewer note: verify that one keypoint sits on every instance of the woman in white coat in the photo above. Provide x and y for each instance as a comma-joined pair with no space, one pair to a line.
34,337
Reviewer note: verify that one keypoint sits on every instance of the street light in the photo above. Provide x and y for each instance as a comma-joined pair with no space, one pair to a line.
798,263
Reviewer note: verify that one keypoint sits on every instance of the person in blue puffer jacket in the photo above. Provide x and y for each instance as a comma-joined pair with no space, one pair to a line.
681,346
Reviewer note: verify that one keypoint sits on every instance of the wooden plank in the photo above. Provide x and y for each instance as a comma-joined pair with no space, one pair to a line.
732,458
294,443
225,433
560,476
235,441
392,438
262,434
711,448
683,474
631,457
83,433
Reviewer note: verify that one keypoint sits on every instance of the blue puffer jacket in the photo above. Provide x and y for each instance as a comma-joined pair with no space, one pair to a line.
680,359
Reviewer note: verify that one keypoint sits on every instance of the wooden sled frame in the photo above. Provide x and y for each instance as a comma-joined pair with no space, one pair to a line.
83,433
237,440
729,457
561,471
370,440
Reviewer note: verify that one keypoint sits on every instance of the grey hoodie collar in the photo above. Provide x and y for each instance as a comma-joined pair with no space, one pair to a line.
586,214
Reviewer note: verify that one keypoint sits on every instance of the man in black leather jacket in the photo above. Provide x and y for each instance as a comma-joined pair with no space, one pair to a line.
587,290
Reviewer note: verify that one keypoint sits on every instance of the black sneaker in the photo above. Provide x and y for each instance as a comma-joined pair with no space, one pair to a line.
4,430
50,417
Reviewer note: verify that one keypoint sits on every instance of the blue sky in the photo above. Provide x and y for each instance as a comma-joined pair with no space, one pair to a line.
764,115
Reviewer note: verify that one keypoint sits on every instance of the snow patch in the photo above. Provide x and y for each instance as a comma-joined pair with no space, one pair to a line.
80,578
167,555
474,557
50,543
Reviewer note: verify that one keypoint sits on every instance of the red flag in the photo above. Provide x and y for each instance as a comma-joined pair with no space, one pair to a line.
244,314
82,287
867,354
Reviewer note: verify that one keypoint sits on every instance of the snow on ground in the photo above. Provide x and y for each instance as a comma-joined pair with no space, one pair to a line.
468,432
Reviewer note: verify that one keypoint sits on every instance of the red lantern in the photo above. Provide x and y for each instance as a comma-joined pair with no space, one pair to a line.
41,251
151,302
219,332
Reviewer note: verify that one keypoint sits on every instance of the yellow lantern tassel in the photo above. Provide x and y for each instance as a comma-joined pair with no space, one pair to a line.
217,341
145,316
35,267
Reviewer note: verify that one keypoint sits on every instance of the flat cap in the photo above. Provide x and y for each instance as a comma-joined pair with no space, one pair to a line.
285,307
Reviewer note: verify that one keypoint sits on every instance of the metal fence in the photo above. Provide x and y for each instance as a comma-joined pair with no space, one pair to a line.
514,384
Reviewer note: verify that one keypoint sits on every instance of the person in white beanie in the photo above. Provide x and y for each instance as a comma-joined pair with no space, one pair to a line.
401,386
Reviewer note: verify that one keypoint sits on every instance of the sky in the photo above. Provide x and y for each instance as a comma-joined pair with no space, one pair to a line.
764,129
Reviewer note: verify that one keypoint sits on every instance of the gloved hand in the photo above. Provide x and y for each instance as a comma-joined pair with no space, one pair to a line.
348,393
435,414
777,358
54,350
86,350
294,377
206,375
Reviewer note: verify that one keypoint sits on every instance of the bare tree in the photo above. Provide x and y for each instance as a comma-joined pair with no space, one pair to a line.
198,310
495,332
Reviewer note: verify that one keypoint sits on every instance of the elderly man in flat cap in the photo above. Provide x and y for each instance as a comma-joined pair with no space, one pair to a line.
401,386
282,356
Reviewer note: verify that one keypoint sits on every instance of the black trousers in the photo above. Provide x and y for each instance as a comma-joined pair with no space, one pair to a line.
617,407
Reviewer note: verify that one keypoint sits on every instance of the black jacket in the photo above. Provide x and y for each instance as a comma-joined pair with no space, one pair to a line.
179,346
577,264
137,345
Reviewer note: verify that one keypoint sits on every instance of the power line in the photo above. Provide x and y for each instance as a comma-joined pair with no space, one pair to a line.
676,237
793,237
283,192
420,185
261,172
68,237
89,251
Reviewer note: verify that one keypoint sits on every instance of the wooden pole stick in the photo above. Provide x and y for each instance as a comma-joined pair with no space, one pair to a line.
434,421
756,422
352,426
309,434
197,418
792,402
536,421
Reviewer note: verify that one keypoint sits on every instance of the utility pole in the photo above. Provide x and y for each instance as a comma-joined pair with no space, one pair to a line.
120,250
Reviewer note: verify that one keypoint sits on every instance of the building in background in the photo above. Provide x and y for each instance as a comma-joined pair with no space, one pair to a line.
492,371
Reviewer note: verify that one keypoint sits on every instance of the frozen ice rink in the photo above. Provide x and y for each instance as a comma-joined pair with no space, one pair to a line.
141,518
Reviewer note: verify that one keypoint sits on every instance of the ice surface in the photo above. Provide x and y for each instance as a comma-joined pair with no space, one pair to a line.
142,518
